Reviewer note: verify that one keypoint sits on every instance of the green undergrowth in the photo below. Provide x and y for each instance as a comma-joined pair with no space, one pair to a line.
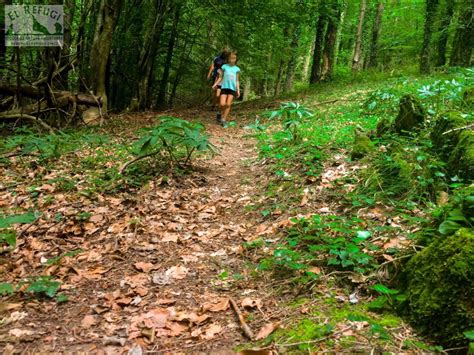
331,323
90,161
409,176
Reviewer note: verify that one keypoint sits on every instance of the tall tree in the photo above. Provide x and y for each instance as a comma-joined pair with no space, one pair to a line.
464,38
374,43
430,14
152,37
161,102
107,17
444,23
357,57
330,40
318,45
290,69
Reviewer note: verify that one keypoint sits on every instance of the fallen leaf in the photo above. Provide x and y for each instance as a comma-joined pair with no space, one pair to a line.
211,331
19,333
88,321
170,237
145,267
252,303
266,330
219,305
177,272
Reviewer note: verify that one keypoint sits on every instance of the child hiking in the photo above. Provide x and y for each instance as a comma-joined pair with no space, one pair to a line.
229,79
214,72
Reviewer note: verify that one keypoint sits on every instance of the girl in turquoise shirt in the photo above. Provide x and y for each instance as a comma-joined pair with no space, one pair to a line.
229,79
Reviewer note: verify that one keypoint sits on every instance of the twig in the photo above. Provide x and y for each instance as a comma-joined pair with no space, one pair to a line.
458,129
122,169
317,340
245,328
395,259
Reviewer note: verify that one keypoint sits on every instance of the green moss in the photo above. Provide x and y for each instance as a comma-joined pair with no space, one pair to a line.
410,116
383,126
444,143
362,146
461,161
468,98
439,284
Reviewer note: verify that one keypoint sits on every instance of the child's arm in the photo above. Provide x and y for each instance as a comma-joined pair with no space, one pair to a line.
219,79
238,84
210,71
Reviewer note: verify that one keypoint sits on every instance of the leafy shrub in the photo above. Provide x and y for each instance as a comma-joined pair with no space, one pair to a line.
338,242
175,140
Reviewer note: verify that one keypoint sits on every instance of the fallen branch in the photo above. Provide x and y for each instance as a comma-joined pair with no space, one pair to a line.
458,129
32,118
67,96
245,328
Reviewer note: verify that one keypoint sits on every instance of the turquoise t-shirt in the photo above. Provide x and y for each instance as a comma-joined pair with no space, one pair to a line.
229,81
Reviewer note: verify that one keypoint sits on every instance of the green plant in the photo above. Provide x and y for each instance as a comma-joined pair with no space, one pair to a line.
7,234
173,139
291,115
387,297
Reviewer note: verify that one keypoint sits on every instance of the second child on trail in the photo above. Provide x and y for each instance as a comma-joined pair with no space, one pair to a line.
214,72
229,79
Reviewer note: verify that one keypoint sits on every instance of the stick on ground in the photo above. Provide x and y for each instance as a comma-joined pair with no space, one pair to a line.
245,328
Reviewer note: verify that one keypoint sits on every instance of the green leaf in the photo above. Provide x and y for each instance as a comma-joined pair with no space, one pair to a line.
61,298
448,227
384,290
25,218
9,236
44,285
363,234
357,318
469,334
378,303
6,288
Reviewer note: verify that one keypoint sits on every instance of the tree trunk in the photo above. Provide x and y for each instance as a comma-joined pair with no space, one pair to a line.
290,69
444,29
356,58
330,41
69,10
339,32
278,79
430,14
374,44
100,52
161,102
318,46
149,52
464,38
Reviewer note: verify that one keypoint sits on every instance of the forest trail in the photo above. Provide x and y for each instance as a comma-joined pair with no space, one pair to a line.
167,258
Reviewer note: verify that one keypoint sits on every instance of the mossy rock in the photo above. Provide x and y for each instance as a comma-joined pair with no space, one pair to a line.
461,161
362,146
468,98
444,143
411,115
383,127
439,285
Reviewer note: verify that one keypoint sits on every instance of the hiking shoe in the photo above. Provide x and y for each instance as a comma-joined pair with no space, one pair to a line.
223,122
219,118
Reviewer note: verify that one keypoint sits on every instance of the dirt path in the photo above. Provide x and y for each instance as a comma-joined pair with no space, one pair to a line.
156,269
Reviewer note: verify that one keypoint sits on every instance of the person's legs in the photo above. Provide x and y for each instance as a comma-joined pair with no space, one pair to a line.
228,104
223,105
